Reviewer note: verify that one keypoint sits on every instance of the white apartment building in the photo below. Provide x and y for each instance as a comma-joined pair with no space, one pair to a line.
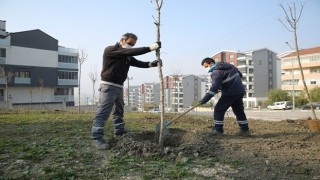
261,73
133,100
35,69
149,95
181,91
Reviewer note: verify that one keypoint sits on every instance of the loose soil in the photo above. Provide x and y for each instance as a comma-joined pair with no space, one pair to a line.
274,150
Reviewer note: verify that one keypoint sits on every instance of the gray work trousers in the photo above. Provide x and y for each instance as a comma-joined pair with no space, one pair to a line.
109,97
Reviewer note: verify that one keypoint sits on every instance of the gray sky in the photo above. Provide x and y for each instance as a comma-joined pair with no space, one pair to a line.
190,31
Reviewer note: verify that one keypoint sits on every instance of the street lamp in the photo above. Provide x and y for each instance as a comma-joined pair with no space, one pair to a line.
293,98
128,90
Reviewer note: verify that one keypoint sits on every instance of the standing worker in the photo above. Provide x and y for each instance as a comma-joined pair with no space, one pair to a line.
227,78
117,60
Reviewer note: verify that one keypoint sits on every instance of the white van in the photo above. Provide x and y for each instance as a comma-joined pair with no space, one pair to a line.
280,105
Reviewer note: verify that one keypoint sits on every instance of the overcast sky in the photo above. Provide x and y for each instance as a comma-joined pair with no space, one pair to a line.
190,31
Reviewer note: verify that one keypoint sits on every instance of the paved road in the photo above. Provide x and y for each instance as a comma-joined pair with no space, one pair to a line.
272,115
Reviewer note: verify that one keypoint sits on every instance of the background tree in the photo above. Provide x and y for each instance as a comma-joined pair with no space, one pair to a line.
278,95
93,76
7,77
301,99
82,57
158,4
315,94
292,16
41,82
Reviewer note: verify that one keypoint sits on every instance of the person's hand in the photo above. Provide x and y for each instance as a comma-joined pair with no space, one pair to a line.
155,46
155,63
206,98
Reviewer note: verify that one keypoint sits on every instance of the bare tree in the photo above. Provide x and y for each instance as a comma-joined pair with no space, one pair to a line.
93,76
30,92
158,4
292,16
7,77
41,82
82,57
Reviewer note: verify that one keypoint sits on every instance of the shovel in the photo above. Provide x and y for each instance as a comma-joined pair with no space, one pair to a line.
166,124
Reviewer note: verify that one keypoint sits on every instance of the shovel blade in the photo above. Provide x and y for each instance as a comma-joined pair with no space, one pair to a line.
165,129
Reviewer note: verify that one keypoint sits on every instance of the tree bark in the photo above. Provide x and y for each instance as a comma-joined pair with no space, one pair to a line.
158,8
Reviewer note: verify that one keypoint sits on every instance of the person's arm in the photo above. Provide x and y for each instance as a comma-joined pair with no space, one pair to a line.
124,52
136,63
217,76
140,64
117,51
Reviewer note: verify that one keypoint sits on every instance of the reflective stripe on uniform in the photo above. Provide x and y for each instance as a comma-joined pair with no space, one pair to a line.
118,124
243,122
230,78
218,122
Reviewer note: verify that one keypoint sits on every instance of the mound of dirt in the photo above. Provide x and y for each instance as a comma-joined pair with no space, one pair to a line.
179,143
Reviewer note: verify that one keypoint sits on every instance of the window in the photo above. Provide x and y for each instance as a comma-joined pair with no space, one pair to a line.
314,70
22,74
61,91
2,53
313,82
67,59
231,57
67,75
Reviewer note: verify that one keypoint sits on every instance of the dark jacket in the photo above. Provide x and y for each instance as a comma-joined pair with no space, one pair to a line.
227,78
117,61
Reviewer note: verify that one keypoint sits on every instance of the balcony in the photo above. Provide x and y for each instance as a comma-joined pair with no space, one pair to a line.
62,98
68,65
67,50
2,60
5,42
68,82
18,80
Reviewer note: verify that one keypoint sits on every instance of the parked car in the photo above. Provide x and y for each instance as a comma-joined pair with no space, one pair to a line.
154,110
281,105
316,105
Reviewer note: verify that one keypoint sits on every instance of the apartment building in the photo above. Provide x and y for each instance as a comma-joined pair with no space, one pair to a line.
291,74
261,73
181,91
133,98
226,56
35,69
148,96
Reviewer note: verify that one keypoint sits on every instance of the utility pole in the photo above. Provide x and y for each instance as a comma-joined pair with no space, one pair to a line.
292,74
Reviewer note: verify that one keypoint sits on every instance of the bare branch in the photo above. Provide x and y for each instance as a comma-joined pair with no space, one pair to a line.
291,13
284,25
284,10
161,4
302,5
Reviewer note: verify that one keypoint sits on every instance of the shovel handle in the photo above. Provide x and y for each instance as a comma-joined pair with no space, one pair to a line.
190,109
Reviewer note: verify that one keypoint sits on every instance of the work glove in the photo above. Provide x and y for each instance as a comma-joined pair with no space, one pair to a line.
155,63
155,46
206,98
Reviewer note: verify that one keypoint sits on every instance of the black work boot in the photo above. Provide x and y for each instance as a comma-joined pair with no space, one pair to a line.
101,144
215,132
243,132
120,134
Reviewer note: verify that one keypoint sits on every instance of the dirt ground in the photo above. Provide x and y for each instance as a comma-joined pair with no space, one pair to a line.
275,150
59,146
